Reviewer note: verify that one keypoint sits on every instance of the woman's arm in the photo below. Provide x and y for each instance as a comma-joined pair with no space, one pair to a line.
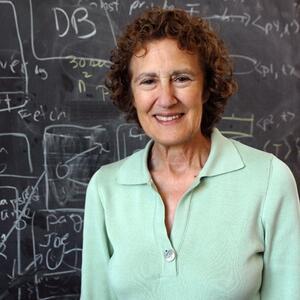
96,254
281,221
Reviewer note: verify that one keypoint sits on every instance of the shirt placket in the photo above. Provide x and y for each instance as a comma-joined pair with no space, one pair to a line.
170,247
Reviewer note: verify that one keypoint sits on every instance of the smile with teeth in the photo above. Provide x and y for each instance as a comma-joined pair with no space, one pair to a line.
168,118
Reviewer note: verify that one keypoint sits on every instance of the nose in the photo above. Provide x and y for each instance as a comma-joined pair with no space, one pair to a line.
166,96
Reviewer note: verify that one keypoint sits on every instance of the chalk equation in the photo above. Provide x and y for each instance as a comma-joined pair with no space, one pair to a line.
284,118
275,26
246,65
88,76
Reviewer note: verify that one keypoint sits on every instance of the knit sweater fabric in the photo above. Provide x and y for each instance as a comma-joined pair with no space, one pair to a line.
235,236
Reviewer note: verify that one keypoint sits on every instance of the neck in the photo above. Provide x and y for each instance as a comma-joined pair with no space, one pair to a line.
179,159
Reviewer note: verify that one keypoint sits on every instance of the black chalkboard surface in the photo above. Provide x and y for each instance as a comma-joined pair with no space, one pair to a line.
57,125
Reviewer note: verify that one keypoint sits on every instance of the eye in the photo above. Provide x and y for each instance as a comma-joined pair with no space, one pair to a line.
147,81
182,79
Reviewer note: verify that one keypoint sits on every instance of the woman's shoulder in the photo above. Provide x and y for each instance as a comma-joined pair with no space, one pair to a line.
261,160
249,152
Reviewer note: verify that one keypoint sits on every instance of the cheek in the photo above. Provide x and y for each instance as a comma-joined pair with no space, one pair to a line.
195,103
197,110
142,102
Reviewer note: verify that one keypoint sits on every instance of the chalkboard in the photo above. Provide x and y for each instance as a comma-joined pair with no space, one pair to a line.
58,126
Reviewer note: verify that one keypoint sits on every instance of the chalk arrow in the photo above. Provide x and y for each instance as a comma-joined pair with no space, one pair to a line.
98,145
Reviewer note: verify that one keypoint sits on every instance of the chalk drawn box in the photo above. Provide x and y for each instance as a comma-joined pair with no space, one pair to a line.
57,246
61,30
71,155
13,69
130,138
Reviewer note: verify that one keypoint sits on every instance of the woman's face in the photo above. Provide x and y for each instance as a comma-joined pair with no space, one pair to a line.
167,85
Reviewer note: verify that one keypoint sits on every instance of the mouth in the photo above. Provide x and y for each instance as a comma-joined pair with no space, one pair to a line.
167,118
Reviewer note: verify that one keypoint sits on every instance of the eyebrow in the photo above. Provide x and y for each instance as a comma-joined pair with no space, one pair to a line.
184,71
174,73
145,74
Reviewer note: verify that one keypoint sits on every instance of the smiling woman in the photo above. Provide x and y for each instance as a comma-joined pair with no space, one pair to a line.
167,86
194,215
192,35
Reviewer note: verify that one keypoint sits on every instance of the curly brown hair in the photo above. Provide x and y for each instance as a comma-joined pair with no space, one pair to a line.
192,34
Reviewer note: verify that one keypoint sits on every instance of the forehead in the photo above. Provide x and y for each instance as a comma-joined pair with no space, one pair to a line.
162,55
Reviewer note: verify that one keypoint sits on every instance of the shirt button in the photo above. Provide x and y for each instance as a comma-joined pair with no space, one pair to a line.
169,255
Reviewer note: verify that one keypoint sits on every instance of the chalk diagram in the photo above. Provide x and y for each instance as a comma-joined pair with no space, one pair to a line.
237,127
57,252
62,32
22,153
77,24
13,70
130,138
71,153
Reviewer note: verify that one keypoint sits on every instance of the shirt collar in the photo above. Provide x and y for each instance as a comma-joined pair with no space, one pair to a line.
223,158
134,169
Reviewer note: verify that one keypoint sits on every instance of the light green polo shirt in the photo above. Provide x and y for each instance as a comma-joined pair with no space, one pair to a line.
236,232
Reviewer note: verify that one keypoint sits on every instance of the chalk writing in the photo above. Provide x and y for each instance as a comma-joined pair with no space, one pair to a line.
110,6
56,250
11,225
42,115
78,16
58,125
275,26
43,74
246,65
70,22
271,121
137,4
87,84
279,148
86,62
13,70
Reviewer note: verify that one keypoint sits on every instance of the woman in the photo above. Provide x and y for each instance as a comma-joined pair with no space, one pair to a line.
194,215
